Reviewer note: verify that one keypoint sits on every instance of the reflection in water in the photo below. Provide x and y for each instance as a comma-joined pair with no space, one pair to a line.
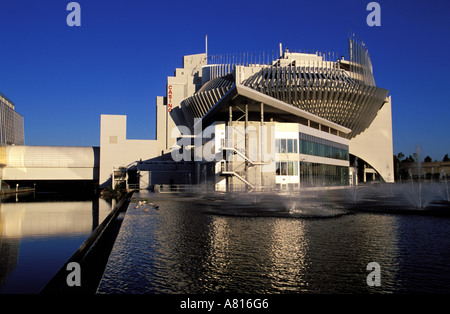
342,248
289,248
183,248
46,219
273,259
38,234
219,248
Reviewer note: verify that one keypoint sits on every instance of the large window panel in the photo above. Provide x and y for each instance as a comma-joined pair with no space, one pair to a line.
283,145
311,145
290,148
315,174
283,168
290,168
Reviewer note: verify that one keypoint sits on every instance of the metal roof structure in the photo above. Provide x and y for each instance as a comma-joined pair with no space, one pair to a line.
340,93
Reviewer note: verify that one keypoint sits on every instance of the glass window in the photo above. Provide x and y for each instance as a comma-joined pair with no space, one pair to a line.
283,145
295,145
283,168
290,149
277,145
314,125
287,168
316,146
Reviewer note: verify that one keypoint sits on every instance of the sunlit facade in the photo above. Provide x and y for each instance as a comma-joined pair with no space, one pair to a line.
291,122
257,122
11,127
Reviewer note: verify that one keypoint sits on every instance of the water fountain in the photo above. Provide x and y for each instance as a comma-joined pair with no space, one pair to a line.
355,179
443,176
420,180
415,197
424,198
419,195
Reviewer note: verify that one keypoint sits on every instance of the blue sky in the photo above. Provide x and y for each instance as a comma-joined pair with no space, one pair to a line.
63,78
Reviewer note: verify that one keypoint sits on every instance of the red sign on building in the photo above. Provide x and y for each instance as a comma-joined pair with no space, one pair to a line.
169,98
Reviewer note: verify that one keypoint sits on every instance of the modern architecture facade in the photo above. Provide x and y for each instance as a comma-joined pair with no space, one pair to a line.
11,127
51,163
256,122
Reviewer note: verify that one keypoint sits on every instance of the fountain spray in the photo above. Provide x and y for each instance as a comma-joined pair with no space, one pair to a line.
444,176
446,186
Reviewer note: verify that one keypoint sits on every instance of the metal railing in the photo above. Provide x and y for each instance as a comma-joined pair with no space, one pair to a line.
16,190
172,188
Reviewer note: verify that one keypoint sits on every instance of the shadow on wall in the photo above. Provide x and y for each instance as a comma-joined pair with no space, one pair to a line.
147,173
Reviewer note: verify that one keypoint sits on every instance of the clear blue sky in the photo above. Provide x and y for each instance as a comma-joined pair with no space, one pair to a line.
63,78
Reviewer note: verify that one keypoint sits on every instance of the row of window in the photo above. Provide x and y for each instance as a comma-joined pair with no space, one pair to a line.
286,168
321,150
314,174
284,145
319,140
312,145
11,125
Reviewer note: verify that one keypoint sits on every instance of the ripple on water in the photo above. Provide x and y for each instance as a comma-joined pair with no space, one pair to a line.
183,248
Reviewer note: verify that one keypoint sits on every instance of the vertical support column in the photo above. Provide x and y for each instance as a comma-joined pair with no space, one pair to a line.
246,133
262,143
262,113
246,144
228,143
230,126
260,135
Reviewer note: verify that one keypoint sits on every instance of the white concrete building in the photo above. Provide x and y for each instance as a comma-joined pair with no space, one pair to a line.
244,122
117,152
51,163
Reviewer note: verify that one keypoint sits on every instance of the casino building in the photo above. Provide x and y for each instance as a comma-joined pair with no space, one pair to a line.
252,122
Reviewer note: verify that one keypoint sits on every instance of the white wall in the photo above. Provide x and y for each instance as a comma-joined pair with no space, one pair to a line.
375,145
180,86
118,151
21,173
51,163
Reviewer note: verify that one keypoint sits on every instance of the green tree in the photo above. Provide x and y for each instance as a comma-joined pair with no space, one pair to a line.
410,159
427,159
446,158
397,167
401,173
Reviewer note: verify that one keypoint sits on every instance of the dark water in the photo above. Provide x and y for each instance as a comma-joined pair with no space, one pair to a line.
190,245
39,232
